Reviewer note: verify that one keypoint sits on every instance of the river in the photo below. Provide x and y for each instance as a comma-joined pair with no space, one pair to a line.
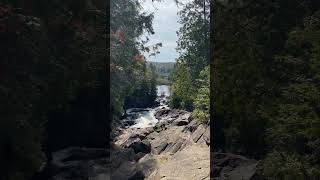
144,117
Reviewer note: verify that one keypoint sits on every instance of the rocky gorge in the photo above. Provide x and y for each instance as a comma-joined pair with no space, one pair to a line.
177,147
152,144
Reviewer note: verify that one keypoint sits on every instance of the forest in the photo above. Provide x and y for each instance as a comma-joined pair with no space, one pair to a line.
191,74
71,69
53,81
265,84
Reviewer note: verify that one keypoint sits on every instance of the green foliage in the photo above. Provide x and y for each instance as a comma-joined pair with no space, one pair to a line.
202,99
144,95
130,77
281,165
265,82
182,86
51,52
296,125
194,57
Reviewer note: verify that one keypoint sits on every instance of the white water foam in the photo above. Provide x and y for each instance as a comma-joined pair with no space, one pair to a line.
163,90
146,119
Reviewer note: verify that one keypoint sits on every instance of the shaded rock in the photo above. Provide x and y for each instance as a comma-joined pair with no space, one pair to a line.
180,122
141,146
205,138
245,172
130,141
147,164
160,125
79,163
139,156
192,126
126,170
137,176
60,158
135,170
161,113
233,167
119,156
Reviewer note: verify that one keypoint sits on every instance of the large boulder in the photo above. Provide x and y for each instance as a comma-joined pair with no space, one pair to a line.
159,114
135,170
77,154
197,134
159,147
182,120
205,137
121,155
175,145
233,167
79,163
192,126
125,171
141,146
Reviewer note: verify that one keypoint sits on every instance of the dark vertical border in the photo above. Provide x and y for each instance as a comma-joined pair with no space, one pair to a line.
107,75
211,45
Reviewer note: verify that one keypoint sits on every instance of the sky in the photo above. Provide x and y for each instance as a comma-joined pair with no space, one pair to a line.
165,24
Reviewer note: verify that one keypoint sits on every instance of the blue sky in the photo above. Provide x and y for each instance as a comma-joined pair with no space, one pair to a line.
165,24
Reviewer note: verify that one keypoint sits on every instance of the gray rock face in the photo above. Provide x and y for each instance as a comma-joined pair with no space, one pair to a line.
192,163
167,113
168,151
158,148
172,149
191,127
198,133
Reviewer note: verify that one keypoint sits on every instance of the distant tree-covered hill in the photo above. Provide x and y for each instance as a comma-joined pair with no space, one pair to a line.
163,70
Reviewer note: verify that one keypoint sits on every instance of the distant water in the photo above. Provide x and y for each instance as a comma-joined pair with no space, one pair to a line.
163,90
145,116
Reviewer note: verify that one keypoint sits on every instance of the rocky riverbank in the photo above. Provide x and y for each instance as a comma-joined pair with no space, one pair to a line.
177,147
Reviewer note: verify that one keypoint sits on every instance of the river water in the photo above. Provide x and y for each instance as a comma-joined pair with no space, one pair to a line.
144,117
163,90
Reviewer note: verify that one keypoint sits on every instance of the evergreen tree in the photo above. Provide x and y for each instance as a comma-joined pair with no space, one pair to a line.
193,45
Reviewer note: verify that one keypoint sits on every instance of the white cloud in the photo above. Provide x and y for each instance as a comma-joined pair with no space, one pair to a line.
165,25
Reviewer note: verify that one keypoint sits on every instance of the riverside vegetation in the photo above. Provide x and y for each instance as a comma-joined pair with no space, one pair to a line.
172,142
265,84
53,83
